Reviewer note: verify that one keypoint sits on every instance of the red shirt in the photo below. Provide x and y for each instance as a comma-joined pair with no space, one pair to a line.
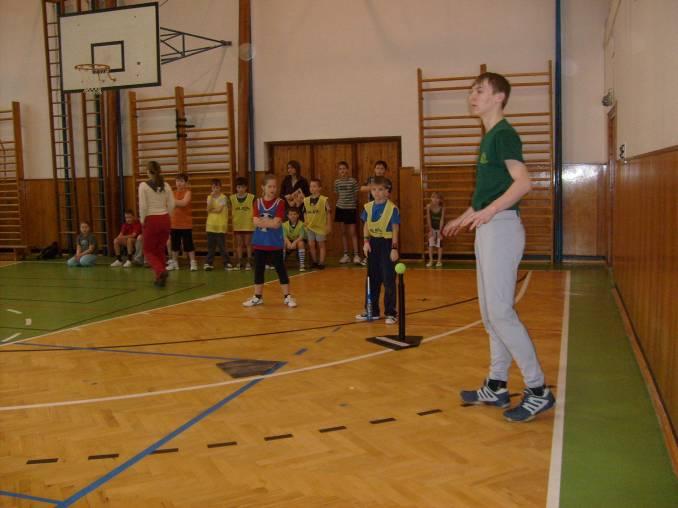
131,229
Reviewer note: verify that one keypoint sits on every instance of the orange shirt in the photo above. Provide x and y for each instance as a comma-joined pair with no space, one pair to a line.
182,216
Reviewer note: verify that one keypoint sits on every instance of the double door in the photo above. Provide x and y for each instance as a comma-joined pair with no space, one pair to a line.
319,159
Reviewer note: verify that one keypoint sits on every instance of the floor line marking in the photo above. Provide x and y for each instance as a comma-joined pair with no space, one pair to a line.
247,379
127,351
14,336
26,496
555,469
151,310
14,311
156,446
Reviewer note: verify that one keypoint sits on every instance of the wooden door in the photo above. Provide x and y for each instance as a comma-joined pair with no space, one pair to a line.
611,173
319,159
325,160
282,154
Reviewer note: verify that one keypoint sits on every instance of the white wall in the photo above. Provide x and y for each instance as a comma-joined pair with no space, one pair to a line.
584,117
328,69
22,79
22,64
640,65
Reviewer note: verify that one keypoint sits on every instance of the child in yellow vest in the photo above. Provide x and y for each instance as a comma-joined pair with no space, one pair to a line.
381,231
318,223
294,233
243,226
217,225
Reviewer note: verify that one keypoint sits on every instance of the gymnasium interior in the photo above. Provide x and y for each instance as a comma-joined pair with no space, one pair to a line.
116,392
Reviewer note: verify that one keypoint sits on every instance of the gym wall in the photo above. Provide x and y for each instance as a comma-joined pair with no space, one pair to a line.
327,69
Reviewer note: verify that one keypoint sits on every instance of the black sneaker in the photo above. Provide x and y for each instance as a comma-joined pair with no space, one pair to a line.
531,405
485,395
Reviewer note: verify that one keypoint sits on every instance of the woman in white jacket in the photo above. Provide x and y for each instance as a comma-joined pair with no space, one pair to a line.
156,202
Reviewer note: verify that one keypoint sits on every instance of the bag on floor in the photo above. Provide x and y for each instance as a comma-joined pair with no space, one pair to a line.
49,252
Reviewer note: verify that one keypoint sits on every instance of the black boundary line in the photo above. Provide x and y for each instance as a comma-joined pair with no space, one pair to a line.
26,328
98,279
164,450
279,436
104,456
219,445
223,444
332,429
126,292
42,286
76,323
430,412
383,420
229,337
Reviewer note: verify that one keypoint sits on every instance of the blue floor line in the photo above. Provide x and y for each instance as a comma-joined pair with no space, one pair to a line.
301,351
30,498
144,453
126,351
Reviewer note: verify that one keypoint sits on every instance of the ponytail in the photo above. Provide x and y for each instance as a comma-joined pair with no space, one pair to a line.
155,181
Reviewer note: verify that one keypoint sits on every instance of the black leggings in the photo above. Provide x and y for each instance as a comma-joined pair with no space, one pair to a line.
269,257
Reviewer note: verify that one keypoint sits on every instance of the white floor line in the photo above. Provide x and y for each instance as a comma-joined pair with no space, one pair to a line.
14,311
11,264
555,469
248,379
146,312
11,337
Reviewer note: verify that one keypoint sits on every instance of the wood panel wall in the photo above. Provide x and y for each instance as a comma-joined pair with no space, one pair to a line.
645,262
585,210
319,159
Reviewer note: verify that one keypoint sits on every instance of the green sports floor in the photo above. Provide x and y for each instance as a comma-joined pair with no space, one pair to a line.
613,452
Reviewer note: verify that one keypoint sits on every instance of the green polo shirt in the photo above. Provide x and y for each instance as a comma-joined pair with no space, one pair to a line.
500,143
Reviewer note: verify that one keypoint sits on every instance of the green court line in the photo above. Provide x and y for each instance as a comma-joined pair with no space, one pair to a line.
614,453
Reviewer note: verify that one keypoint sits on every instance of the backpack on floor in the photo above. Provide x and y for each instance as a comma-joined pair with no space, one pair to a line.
49,252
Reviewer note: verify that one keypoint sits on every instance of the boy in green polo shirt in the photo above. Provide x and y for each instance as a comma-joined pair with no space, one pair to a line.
501,181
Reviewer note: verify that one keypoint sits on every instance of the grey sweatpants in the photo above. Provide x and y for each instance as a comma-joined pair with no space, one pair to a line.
499,248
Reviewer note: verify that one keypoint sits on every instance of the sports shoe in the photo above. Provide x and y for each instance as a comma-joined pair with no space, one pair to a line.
172,265
290,301
320,267
248,266
429,264
237,267
207,267
531,405
161,280
487,396
127,264
194,266
439,264
228,267
357,260
255,300
302,269
364,262
363,317
116,263
270,267
391,320
345,259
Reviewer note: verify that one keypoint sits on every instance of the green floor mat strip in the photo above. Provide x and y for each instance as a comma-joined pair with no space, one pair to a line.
614,453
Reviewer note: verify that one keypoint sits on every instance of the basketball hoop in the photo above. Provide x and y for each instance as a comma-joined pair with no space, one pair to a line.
92,76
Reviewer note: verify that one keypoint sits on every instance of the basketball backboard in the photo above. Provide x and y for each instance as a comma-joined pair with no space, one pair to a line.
126,39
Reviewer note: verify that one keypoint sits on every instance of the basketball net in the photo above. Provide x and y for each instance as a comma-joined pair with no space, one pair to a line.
92,76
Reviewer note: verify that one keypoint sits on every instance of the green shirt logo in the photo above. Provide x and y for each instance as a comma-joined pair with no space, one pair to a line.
483,158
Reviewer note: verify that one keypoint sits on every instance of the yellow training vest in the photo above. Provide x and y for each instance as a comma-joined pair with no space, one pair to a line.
378,229
242,212
315,216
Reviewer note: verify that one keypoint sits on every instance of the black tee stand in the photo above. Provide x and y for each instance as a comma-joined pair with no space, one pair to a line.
402,340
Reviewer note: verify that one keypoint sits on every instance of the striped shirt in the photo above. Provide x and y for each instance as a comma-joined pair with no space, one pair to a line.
347,192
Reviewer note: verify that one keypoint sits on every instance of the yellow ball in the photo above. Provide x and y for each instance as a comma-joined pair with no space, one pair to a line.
400,268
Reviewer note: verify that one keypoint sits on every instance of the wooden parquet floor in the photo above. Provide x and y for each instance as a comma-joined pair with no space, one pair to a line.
397,436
